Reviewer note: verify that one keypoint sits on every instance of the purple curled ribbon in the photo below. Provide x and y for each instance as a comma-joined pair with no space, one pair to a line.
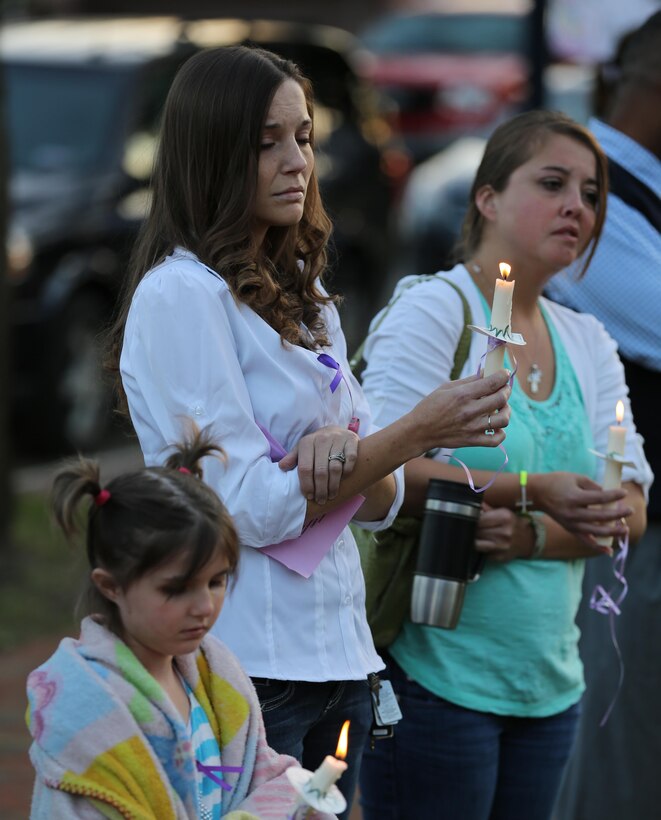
209,771
465,468
492,344
605,602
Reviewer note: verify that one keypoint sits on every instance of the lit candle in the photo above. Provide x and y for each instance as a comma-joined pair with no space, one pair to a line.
317,791
501,318
613,471
331,768
616,435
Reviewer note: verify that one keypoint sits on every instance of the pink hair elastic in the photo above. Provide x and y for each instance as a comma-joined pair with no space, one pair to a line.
185,470
101,497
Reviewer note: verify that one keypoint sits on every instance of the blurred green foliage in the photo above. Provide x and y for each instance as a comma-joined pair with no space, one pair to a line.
41,584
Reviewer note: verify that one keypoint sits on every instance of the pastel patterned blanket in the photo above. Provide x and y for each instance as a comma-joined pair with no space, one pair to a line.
108,742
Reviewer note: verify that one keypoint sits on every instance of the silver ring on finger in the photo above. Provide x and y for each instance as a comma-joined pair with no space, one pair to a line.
489,431
337,457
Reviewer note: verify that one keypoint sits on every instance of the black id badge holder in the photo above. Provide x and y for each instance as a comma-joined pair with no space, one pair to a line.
385,709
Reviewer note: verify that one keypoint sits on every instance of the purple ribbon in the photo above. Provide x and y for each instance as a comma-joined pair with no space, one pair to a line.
466,469
329,361
277,450
209,772
492,344
607,603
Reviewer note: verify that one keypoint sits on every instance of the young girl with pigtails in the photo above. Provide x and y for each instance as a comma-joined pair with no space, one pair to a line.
145,715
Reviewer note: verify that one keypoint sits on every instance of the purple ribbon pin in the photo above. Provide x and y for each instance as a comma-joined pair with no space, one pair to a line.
329,361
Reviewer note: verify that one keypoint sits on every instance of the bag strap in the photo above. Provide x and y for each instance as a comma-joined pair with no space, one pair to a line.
463,345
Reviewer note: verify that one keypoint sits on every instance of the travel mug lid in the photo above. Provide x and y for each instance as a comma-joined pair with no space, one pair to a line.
452,498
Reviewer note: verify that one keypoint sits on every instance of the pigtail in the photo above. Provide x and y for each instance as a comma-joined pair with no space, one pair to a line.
196,445
143,518
74,481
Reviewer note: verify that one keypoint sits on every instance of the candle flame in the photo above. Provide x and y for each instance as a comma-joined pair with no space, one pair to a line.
619,412
505,269
343,742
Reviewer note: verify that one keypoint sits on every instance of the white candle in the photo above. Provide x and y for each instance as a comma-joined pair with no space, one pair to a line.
613,470
615,446
617,434
331,768
501,308
501,318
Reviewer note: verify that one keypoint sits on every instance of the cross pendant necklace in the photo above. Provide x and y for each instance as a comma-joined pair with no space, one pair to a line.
534,378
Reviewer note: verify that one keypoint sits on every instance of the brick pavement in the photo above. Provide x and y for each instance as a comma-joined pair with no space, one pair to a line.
15,769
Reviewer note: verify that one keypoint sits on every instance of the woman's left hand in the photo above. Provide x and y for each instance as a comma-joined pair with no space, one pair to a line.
323,458
580,505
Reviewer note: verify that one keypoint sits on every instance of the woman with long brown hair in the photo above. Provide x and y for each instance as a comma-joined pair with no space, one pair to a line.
226,320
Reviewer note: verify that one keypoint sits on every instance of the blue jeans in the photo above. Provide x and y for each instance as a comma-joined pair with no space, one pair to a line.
450,763
304,720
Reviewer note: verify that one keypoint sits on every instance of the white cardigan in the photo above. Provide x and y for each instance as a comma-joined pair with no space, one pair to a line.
430,316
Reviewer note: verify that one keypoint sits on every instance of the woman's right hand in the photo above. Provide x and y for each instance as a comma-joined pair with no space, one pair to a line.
459,413
496,535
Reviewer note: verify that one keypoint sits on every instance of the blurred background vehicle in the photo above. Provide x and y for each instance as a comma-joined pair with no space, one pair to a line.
455,71
82,107
437,190
84,99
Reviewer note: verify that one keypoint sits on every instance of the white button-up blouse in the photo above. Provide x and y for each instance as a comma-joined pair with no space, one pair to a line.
192,351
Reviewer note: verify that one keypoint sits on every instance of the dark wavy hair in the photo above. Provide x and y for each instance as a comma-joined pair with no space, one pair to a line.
149,517
204,186
511,145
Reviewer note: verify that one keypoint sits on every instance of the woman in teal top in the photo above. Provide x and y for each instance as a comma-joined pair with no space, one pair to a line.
490,708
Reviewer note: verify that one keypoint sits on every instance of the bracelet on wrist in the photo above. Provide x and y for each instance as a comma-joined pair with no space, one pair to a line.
539,532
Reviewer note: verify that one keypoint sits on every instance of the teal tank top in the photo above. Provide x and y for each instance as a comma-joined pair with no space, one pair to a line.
515,649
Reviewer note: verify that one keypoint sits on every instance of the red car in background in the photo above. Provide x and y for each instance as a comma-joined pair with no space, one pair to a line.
453,72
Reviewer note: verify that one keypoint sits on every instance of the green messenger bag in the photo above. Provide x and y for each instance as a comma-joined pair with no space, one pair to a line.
388,557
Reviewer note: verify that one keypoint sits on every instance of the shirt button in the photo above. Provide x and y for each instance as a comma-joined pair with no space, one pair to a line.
198,410
348,600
